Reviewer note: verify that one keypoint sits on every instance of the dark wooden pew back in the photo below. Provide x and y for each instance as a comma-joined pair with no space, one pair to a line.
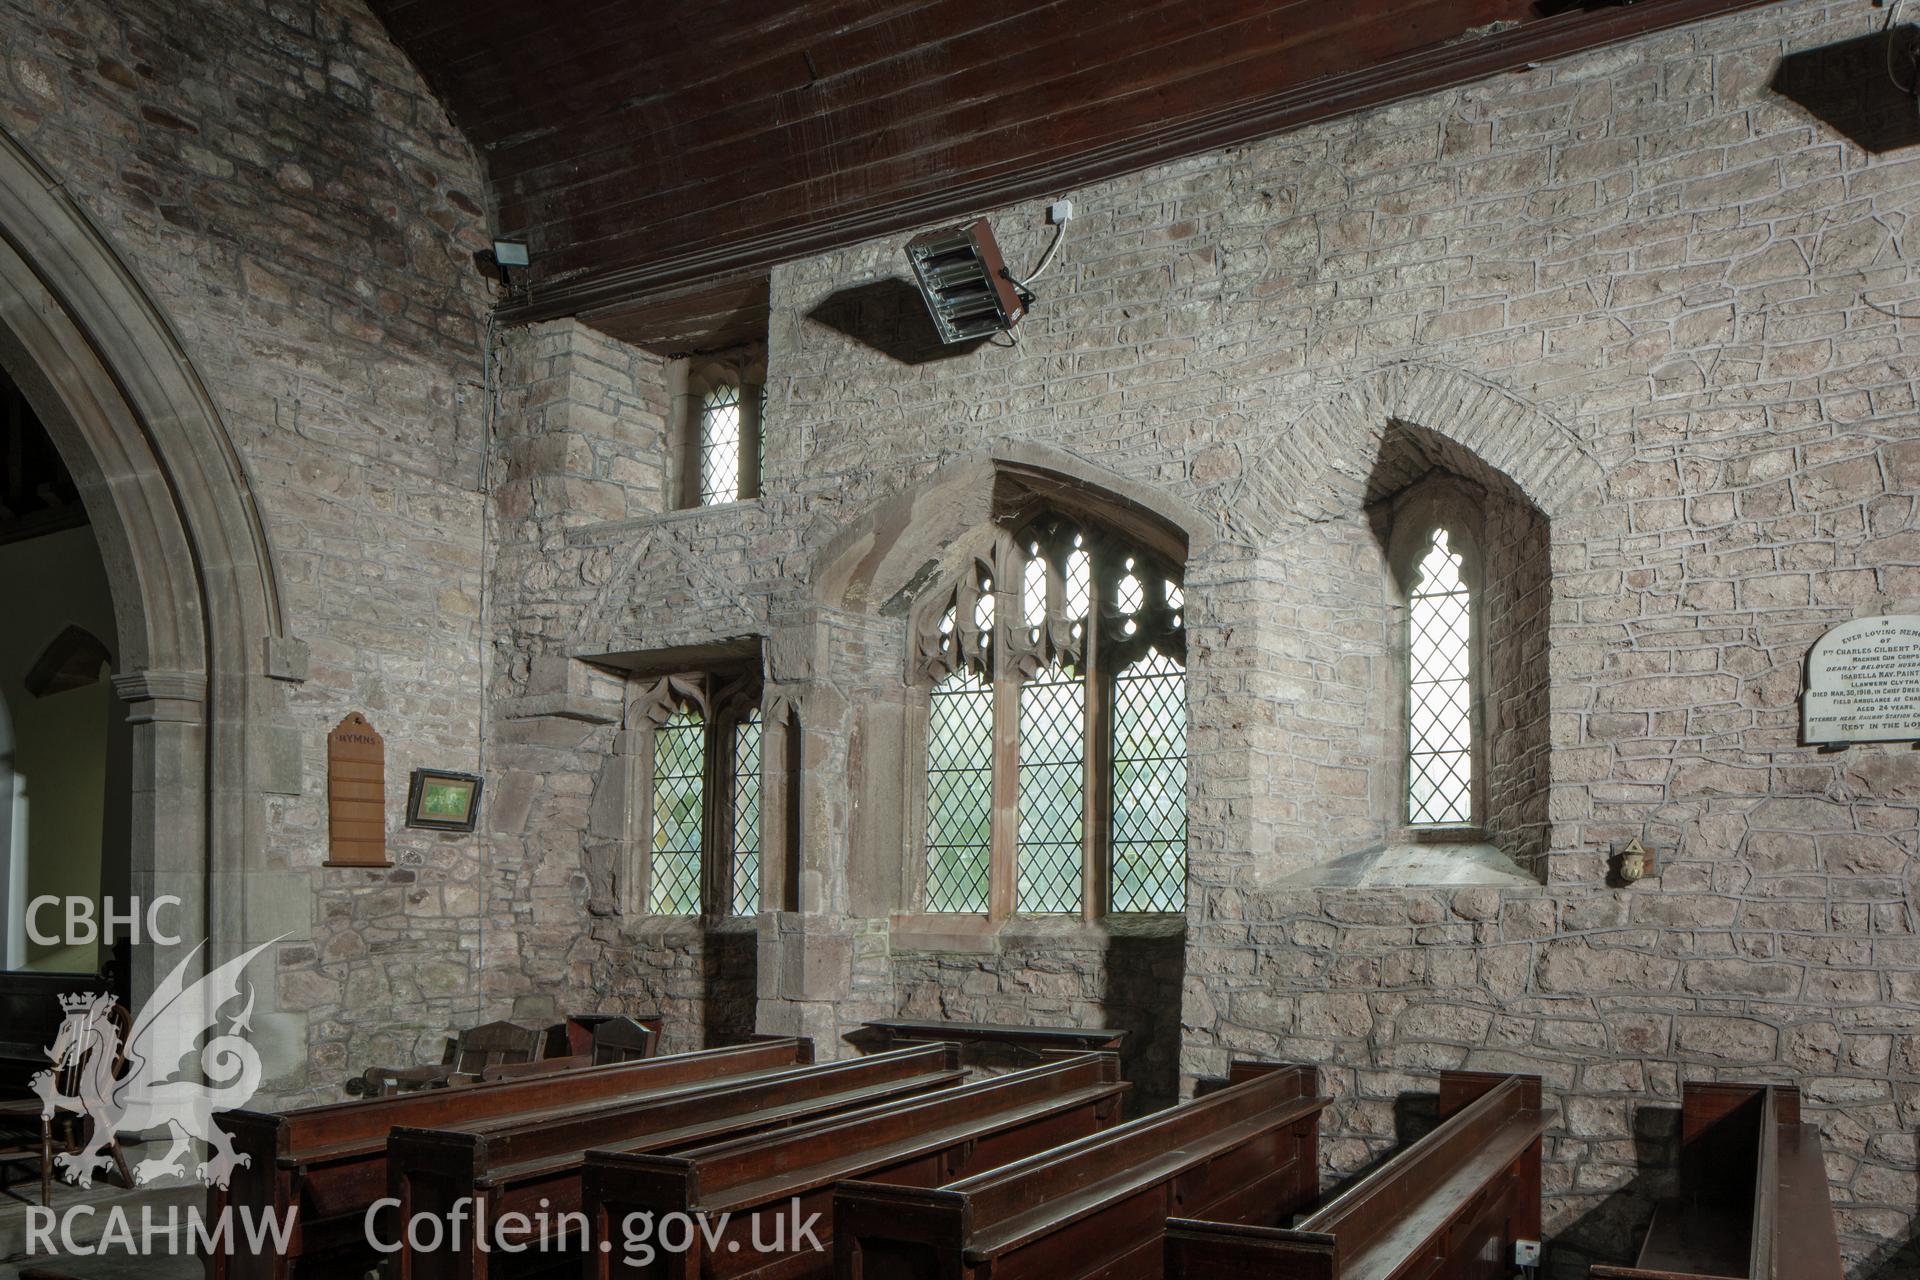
532,1165
1755,1203
330,1162
763,1180
1448,1207
1097,1206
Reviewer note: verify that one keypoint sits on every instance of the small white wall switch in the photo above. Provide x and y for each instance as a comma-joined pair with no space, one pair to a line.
1060,211
1526,1253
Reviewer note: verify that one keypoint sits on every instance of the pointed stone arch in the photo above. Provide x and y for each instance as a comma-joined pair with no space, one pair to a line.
198,610
878,562
1321,465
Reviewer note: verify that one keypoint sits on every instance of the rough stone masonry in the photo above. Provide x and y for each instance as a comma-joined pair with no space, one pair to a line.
1636,285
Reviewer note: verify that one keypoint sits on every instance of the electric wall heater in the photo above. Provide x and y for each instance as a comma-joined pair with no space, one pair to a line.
965,282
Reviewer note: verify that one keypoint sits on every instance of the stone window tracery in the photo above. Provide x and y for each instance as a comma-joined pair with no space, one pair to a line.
1056,730
698,791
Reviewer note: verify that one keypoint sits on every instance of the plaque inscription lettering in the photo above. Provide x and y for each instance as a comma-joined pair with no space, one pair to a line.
356,795
1863,682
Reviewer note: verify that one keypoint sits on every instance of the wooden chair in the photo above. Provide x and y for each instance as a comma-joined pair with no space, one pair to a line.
468,1055
30,1017
585,1040
619,1039
69,1129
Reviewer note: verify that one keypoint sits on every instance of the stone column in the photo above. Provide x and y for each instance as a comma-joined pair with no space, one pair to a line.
167,711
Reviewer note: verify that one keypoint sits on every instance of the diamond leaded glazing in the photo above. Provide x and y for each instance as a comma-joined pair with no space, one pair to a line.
959,793
720,445
679,798
746,815
1439,691
1150,785
1052,790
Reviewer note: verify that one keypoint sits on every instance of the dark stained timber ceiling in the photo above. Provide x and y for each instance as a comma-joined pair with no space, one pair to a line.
663,147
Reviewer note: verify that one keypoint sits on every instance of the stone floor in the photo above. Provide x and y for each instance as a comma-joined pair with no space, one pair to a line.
22,1193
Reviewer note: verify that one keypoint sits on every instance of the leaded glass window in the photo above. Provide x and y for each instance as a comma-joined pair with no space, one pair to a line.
1150,785
719,443
679,811
1439,690
1057,686
1053,743
744,824
959,793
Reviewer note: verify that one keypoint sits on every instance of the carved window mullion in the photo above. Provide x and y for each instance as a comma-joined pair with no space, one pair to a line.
1053,589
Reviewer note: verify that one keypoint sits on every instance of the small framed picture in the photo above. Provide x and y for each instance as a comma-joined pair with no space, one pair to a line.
443,801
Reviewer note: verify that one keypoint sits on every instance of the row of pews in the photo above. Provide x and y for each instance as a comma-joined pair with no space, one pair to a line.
897,1166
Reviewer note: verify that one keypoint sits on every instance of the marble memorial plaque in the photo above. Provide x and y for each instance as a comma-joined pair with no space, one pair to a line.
1863,682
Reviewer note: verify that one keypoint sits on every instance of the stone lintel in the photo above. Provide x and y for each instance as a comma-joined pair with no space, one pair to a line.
564,706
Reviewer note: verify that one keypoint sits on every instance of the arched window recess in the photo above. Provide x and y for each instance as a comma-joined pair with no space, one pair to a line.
1436,560
694,843
1054,660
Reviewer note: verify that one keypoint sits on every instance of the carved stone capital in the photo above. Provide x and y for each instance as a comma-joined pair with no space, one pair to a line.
163,696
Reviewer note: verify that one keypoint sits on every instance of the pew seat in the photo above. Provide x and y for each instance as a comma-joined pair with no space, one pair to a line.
1075,1039
532,1165
754,1181
1755,1203
1444,1208
1098,1206
327,1164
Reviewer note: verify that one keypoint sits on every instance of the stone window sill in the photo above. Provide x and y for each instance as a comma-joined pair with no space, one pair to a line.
1414,864
683,930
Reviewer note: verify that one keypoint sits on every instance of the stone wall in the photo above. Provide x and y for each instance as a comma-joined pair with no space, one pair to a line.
1062,977
1516,615
277,178
1631,283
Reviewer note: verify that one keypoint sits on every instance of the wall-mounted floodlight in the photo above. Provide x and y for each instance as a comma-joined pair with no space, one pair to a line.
965,282
510,253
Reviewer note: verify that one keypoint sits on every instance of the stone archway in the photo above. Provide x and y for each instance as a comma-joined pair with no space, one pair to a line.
201,636
1315,468
885,548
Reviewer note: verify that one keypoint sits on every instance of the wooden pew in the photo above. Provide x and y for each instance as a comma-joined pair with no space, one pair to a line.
1448,1207
1756,1203
532,1166
467,1054
585,1040
330,1162
757,1180
1097,1207
895,1031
